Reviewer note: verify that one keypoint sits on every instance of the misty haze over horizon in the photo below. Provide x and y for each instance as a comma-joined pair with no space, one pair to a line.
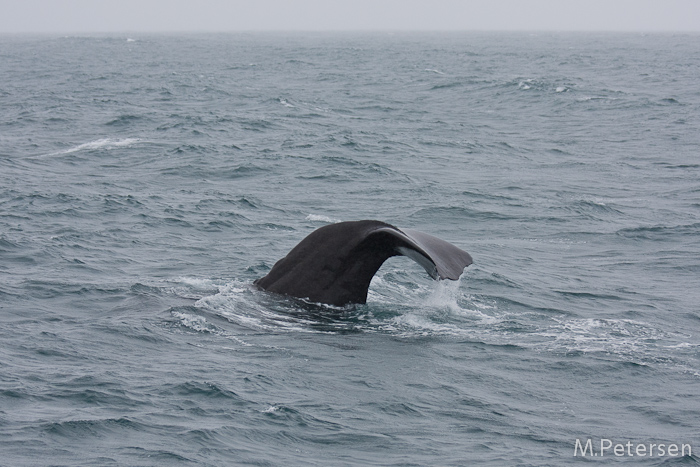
84,16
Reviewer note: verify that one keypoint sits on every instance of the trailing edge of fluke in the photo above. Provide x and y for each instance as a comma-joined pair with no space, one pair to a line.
335,264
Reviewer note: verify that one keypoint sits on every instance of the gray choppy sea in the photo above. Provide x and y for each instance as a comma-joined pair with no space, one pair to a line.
146,181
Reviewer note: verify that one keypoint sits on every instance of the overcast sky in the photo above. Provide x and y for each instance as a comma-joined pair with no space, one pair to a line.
89,16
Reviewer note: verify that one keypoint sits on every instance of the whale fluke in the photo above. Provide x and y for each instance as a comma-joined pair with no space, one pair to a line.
335,264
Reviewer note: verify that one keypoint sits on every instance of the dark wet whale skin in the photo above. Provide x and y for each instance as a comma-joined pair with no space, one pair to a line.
335,264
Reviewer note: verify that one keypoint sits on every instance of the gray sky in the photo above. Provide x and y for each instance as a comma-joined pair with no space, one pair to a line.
86,16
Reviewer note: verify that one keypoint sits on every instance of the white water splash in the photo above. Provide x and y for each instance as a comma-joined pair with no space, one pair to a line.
104,143
194,322
241,304
319,218
444,296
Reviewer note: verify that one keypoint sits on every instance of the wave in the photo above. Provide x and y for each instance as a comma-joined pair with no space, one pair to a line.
93,427
124,120
660,232
596,98
450,85
104,143
525,85
285,103
402,305
592,208
320,218
200,389
457,212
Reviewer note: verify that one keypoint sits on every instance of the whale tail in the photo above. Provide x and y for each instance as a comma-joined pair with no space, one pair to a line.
335,264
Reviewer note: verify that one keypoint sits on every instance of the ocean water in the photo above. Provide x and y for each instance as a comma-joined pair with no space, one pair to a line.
147,180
